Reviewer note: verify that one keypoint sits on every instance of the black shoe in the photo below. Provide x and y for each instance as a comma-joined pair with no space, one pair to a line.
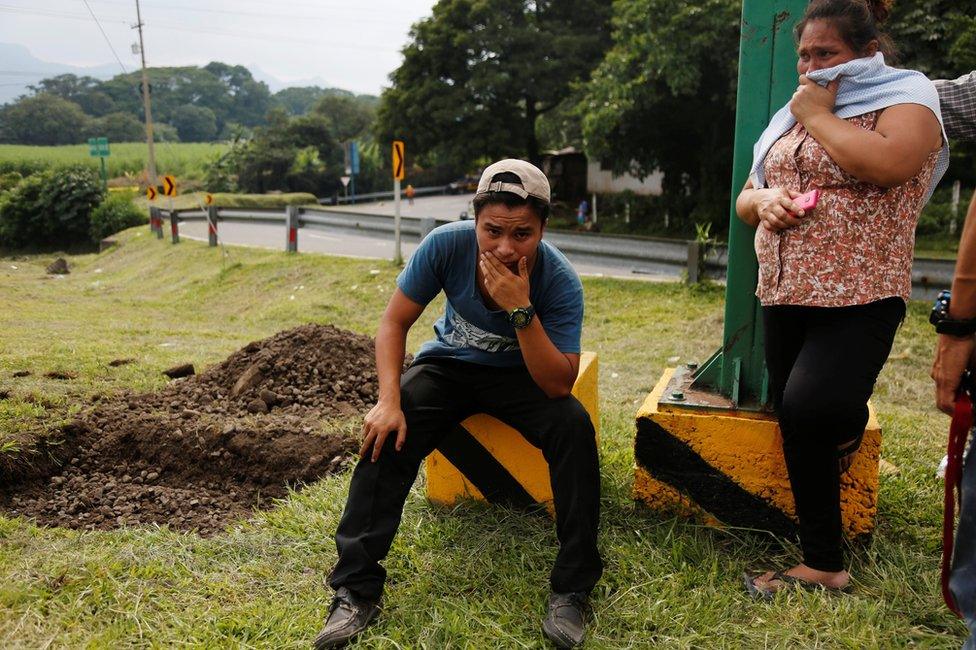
348,616
565,624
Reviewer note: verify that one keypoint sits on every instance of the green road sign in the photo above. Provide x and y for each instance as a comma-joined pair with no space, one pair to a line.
767,79
98,147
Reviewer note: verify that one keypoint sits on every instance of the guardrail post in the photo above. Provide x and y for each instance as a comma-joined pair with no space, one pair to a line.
291,228
155,222
212,224
426,225
174,226
694,261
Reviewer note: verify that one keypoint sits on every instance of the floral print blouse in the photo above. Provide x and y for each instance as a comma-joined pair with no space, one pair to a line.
855,247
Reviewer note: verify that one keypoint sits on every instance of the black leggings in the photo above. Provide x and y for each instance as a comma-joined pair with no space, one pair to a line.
823,363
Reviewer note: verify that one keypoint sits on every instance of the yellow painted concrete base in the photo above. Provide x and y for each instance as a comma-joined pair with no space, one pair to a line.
524,462
728,466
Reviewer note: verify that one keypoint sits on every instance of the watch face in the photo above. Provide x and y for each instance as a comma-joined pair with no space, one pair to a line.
520,318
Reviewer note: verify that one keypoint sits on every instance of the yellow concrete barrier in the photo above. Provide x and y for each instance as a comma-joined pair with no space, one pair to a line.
728,467
512,471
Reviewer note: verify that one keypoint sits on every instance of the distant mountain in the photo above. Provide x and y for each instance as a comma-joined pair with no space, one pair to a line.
19,69
275,84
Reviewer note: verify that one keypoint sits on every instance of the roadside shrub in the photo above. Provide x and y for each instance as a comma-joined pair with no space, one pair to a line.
51,209
219,173
9,180
115,213
937,214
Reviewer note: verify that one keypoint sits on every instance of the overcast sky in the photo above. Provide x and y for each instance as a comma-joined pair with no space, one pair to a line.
352,45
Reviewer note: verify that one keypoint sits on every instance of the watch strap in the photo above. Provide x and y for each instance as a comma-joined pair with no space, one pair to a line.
955,327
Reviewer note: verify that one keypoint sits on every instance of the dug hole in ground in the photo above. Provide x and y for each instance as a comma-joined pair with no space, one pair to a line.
206,449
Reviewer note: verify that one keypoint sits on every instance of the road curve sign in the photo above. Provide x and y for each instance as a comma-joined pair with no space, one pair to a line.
151,193
169,185
398,166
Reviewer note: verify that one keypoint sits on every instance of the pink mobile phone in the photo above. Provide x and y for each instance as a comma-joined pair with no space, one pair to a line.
807,201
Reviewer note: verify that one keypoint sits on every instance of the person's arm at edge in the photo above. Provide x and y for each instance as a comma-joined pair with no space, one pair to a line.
957,98
391,345
953,353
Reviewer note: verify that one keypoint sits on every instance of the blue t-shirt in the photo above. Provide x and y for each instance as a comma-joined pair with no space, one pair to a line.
469,330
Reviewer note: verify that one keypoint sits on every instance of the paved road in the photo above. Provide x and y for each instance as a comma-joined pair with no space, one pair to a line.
379,245
439,206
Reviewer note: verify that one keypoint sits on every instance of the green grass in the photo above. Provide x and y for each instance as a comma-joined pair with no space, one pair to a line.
943,247
182,159
668,583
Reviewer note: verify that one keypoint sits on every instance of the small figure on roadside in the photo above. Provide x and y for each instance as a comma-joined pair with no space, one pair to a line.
410,192
582,211
507,344
834,278
954,353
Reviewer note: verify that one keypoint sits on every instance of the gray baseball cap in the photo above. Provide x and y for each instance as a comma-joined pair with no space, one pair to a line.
534,182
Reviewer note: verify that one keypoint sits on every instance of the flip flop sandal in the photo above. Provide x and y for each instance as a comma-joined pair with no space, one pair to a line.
765,593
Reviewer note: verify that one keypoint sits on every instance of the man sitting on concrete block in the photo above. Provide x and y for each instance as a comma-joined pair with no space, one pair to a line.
507,345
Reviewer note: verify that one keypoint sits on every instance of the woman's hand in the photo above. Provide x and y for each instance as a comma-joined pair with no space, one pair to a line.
811,99
776,210
382,420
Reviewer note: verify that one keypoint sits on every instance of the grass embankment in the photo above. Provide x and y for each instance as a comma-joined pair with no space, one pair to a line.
194,200
668,582
182,159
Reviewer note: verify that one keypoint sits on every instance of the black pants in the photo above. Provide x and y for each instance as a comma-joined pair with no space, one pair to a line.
823,363
437,395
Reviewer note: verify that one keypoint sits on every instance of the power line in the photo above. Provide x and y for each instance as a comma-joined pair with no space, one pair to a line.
48,12
105,36
328,19
276,38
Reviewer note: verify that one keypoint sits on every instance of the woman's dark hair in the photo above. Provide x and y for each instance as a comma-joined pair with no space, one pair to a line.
509,200
857,21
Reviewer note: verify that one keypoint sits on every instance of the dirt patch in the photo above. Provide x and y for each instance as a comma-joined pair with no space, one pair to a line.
208,448
60,374
58,267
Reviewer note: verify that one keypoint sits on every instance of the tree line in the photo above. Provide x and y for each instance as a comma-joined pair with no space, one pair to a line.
189,104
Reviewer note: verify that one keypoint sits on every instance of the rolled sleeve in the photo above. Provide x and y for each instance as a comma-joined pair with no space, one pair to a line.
957,98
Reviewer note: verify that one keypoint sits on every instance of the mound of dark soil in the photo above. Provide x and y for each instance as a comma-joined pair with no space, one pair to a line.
208,448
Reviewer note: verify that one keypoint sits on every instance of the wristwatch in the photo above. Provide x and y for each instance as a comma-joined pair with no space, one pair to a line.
951,326
520,317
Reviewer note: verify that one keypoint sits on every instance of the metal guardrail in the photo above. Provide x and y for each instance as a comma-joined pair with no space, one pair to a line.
380,196
293,218
928,275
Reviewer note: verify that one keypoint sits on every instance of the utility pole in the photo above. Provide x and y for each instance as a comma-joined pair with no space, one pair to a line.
153,180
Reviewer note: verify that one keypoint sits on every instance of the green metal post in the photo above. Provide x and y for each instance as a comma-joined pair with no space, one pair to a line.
767,79
104,174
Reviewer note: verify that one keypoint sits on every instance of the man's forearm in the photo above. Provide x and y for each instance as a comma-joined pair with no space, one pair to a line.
391,345
549,368
963,303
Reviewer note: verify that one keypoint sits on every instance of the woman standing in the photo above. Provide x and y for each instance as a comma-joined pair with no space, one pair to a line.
834,279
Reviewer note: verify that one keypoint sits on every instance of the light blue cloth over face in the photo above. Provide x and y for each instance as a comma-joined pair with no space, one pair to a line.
866,84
